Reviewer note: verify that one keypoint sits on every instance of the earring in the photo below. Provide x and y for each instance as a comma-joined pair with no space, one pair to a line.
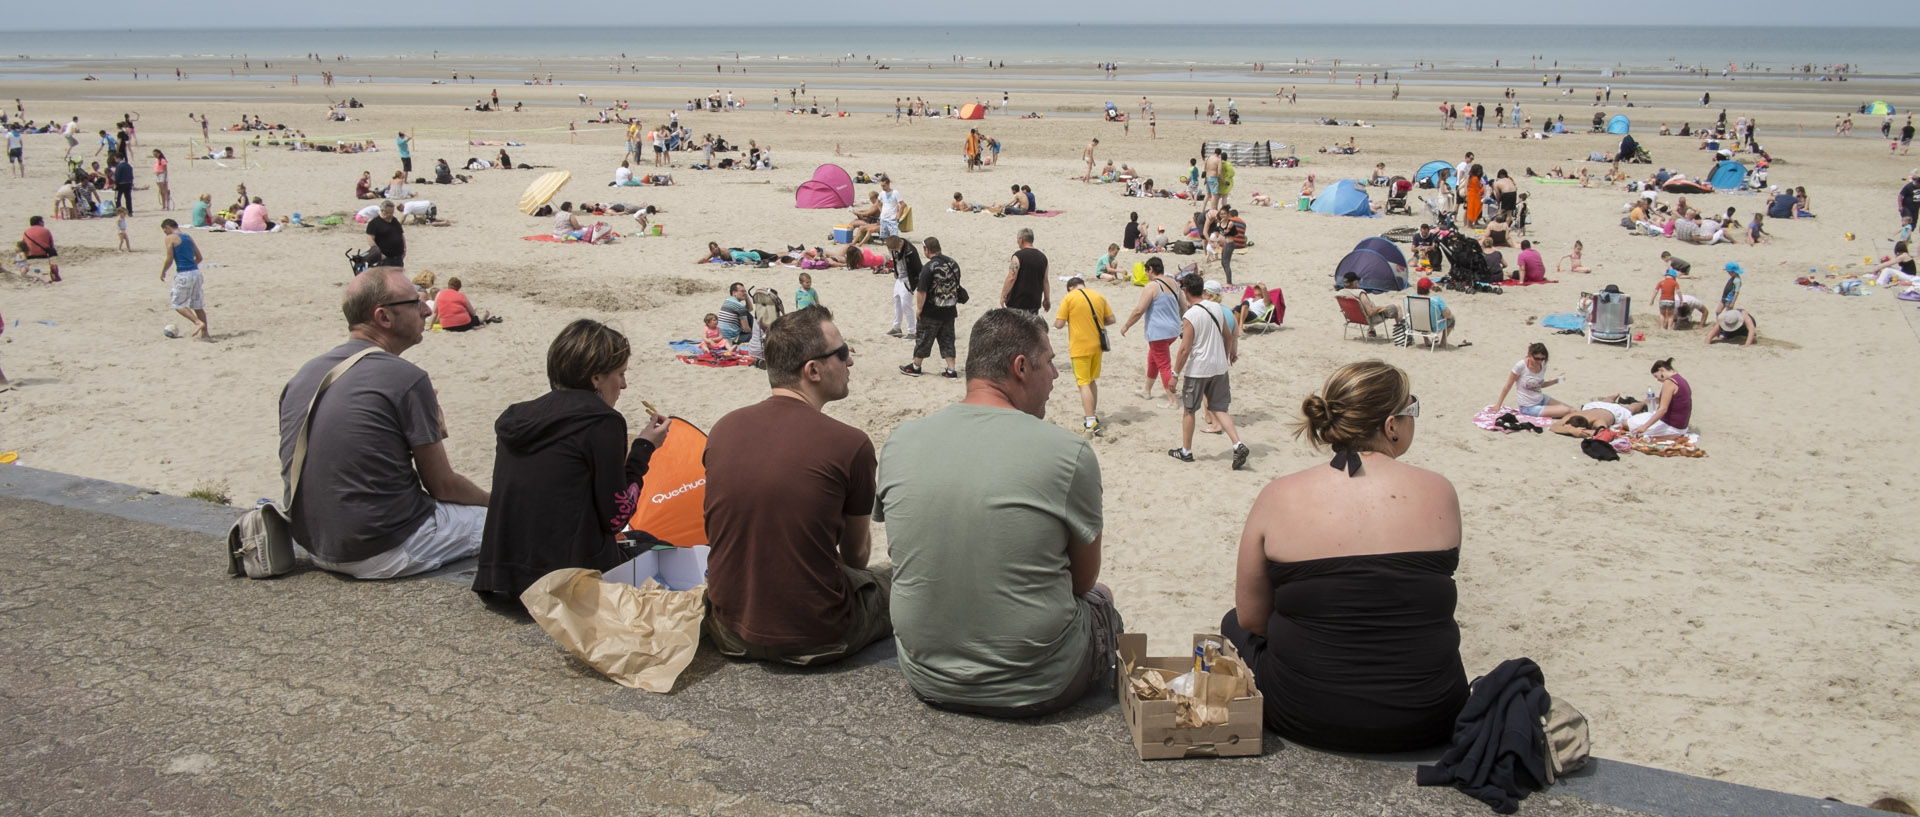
1393,439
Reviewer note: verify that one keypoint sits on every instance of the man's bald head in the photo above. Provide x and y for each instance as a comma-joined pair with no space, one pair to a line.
370,289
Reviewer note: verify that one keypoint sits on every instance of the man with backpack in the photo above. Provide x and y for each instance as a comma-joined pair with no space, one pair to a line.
935,300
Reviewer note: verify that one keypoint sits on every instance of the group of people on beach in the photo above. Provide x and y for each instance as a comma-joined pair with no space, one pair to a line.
793,582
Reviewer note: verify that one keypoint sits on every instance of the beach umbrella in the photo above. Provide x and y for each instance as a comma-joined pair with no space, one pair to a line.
542,190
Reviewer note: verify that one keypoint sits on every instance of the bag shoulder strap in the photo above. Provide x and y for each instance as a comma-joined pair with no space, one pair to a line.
306,422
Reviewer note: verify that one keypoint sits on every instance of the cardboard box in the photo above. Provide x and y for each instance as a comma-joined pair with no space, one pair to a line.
675,568
1152,722
842,233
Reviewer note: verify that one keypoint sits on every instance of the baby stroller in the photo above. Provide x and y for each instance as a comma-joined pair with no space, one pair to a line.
1397,189
1470,272
1442,219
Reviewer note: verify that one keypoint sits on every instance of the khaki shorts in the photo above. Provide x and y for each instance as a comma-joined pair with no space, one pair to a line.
870,620
1215,391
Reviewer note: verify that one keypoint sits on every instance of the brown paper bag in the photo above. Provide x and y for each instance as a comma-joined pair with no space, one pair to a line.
641,637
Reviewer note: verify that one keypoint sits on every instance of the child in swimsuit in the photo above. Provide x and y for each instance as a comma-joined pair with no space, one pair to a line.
715,342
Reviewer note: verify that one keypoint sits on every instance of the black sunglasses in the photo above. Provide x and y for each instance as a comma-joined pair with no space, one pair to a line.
401,303
845,353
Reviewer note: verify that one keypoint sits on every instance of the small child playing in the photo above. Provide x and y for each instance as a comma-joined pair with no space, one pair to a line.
120,220
1574,257
805,296
714,341
1757,230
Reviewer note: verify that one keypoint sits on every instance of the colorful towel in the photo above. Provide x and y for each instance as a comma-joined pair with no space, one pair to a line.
1046,213
1487,415
567,240
688,351
1564,320
1671,448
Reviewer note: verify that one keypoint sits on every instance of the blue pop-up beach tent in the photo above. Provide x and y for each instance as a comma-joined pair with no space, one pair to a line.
1376,273
1728,175
1344,198
1423,176
1388,250
1619,124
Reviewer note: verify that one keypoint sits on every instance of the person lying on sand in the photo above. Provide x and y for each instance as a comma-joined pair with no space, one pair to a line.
960,205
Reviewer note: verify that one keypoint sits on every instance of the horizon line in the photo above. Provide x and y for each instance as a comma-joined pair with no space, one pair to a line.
809,24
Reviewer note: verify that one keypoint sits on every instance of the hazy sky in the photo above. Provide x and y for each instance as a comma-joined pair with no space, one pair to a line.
146,14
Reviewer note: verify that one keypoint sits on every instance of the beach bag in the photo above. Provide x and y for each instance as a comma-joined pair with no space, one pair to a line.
1140,277
1105,345
1568,744
1181,247
260,543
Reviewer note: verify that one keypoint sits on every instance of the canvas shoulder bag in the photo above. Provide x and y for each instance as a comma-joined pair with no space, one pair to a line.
260,543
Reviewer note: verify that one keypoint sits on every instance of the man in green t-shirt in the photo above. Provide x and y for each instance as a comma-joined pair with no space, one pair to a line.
993,525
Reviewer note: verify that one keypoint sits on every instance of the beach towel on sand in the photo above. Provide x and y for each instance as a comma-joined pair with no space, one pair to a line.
1527,283
1564,320
1489,414
688,351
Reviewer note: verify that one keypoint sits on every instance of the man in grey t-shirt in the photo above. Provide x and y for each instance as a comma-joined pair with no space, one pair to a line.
378,497
993,525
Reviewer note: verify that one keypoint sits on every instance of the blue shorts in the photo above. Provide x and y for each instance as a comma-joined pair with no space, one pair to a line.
889,228
1213,185
1535,411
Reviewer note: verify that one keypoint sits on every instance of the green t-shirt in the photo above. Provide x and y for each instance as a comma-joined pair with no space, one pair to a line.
980,504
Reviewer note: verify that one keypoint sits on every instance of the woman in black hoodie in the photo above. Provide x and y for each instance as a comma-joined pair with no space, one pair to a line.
561,488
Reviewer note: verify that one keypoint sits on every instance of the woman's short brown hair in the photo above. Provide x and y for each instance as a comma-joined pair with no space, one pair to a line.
584,349
1355,403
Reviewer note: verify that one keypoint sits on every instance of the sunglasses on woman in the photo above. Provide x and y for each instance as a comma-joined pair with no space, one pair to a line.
1412,409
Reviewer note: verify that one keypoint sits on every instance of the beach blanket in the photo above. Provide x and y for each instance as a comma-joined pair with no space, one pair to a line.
688,351
1564,320
568,240
1546,180
1046,213
1487,415
1527,283
1689,447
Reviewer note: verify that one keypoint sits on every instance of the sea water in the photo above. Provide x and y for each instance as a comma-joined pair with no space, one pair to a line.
1581,52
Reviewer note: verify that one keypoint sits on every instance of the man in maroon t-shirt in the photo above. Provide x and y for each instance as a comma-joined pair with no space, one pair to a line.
789,503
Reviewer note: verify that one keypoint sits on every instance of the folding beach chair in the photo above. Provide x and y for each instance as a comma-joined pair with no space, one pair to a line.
1610,318
1422,323
1350,308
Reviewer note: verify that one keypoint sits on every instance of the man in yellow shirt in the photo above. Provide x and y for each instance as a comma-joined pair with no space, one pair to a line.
1085,315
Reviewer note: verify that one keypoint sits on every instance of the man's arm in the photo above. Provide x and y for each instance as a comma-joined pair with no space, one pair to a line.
441,481
1013,274
166,263
856,540
1083,564
1232,339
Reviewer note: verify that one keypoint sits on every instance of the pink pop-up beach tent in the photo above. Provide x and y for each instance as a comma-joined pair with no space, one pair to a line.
830,188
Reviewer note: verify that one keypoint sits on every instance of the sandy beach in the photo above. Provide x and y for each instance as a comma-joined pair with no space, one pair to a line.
1746,616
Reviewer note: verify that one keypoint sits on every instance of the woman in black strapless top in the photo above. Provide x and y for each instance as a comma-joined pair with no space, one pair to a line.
1345,582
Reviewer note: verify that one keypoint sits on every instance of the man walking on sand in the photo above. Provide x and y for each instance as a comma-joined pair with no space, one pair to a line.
1207,347
1088,156
188,298
935,300
1027,288
1085,314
